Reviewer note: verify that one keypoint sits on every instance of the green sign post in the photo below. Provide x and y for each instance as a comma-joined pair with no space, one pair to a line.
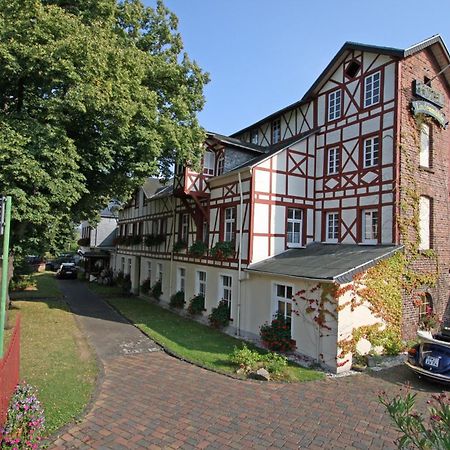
5,229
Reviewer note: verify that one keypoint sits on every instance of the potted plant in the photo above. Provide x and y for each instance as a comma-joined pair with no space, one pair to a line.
179,245
223,250
198,248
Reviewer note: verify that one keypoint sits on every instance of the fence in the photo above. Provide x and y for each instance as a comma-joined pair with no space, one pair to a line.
9,371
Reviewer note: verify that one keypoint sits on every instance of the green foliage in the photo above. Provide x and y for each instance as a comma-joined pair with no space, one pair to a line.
198,248
417,431
157,290
94,98
152,240
119,278
126,284
83,242
197,305
251,360
146,286
179,245
277,335
223,250
177,300
220,315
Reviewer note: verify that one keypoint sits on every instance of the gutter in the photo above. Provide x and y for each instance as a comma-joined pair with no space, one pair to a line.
241,205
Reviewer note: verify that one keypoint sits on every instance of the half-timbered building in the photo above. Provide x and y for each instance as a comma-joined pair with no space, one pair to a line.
310,197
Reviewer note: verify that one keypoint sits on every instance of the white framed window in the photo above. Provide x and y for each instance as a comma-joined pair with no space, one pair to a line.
333,160
159,272
283,302
254,138
229,222
149,270
370,226
200,278
184,227
226,289
129,266
205,232
371,151
424,223
181,281
372,89
209,162
334,105
425,145
122,265
332,227
276,131
220,164
294,227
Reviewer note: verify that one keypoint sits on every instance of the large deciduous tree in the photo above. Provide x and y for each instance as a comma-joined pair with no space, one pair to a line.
95,96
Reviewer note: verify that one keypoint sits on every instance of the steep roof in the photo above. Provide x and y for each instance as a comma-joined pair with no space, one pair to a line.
327,262
440,51
234,142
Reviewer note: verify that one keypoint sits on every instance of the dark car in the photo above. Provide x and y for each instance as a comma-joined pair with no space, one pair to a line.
67,270
431,357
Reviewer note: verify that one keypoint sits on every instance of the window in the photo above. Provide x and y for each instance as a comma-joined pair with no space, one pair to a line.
254,138
209,161
149,271
225,290
159,272
352,69
201,283
205,232
220,164
229,224
283,303
333,160
425,145
276,131
426,306
334,105
181,279
162,225
129,266
294,227
184,231
424,223
122,264
332,227
371,151
370,226
372,89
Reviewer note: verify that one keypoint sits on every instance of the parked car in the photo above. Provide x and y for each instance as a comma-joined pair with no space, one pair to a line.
67,270
431,356
55,264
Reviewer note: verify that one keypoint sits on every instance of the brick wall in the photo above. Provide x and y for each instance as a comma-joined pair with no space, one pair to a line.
432,183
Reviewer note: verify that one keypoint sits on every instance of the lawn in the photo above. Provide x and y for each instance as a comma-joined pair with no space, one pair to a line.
42,285
189,339
55,356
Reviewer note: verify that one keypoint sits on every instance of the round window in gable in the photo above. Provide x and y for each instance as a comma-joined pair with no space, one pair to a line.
352,69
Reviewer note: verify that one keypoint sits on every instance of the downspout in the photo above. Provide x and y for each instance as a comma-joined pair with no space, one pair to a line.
241,204
172,243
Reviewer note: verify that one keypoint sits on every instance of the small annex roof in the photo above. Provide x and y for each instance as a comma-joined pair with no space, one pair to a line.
440,51
234,142
336,263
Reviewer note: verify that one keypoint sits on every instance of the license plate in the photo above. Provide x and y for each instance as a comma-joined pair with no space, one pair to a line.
68,273
432,361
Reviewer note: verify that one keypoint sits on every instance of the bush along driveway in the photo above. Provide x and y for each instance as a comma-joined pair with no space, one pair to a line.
195,342
55,357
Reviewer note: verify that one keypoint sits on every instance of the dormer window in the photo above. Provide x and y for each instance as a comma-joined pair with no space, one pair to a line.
254,138
209,161
276,131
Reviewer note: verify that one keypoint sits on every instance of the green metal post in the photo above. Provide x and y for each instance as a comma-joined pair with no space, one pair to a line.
5,270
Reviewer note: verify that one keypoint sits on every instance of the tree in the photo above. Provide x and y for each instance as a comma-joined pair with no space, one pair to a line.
94,97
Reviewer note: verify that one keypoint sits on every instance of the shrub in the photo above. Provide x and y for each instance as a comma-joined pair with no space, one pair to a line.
198,248
416,431
220,316
277,335
126,284
154,239
84,242
179,245
196,305
157,290
146,286
177,300
119,278
223,250
21,282
24,422
251,360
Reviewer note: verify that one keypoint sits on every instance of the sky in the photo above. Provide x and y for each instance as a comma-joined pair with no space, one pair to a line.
263,55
